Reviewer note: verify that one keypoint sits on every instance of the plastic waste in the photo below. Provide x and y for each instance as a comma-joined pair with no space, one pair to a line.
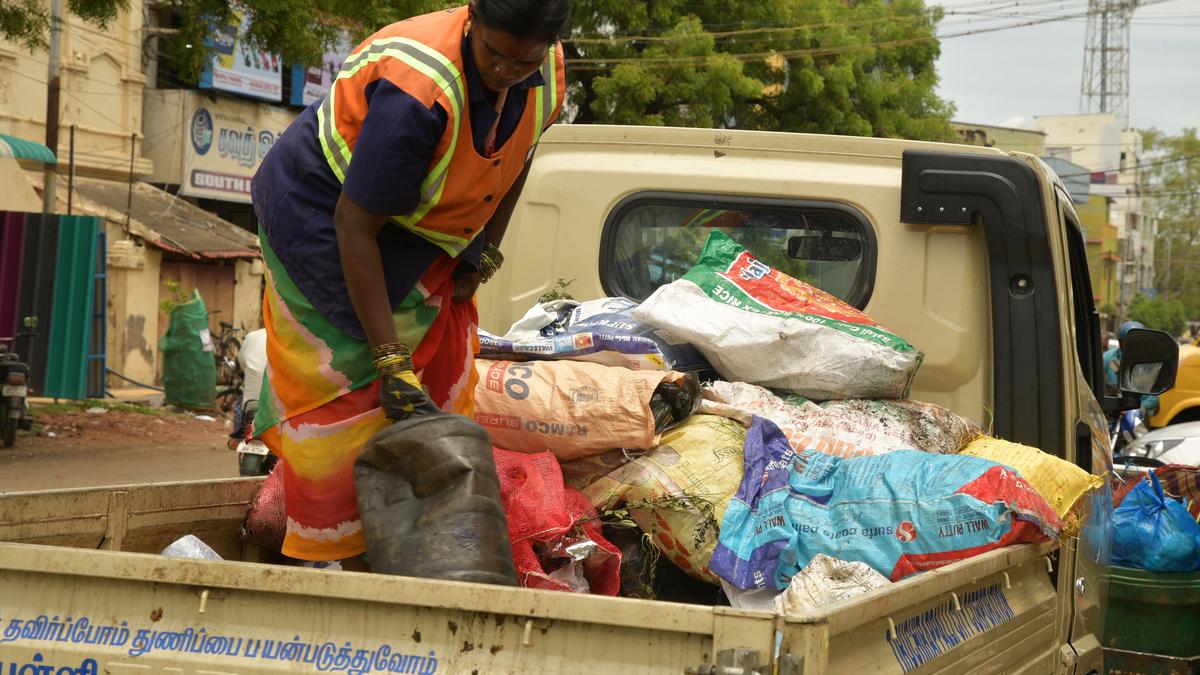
901,513
429,500
755,324
190,546
825,581
575,409
1155,533
601,331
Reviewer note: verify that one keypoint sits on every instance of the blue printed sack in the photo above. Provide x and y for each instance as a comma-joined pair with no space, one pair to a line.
900,513
600,331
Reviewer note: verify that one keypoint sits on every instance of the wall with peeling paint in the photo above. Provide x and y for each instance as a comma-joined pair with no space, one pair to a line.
133,278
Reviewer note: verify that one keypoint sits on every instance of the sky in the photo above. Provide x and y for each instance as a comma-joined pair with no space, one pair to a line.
1010,76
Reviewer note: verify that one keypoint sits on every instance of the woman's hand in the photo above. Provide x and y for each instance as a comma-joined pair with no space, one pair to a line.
466,283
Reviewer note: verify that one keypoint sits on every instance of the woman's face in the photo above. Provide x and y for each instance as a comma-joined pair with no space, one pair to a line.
504,59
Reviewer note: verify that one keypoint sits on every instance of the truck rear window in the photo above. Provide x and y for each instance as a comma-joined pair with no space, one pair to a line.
653,239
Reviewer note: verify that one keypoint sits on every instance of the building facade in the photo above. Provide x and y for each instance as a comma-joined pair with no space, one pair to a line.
166,165
1114,160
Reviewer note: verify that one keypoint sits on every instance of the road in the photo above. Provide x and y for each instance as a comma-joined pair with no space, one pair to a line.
78,449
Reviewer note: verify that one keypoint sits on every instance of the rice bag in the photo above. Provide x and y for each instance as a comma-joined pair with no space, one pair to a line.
756,324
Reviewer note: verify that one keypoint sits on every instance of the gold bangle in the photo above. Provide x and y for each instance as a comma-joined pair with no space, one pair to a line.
390,349
392,364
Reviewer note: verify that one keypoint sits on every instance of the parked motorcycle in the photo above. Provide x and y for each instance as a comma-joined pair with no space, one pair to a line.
254,459
1128,427
14,394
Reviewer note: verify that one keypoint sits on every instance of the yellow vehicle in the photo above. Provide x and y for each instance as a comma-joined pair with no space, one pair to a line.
973,255
1182,403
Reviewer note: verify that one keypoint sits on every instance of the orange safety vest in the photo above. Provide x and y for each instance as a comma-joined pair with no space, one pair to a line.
422,56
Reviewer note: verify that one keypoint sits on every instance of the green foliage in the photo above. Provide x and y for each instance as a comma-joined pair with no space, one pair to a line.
864,68
175,296
28,21
1173,169
861,68
561,291
1159,314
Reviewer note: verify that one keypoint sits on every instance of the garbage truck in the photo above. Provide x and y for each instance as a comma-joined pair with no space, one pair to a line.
972,254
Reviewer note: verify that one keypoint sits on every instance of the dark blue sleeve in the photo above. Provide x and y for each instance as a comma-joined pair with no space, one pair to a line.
393,151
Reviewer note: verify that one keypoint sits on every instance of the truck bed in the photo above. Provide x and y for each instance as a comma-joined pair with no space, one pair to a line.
82,587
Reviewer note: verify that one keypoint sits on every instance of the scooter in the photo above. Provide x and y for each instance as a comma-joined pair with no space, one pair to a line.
1128,427
254,458
14,394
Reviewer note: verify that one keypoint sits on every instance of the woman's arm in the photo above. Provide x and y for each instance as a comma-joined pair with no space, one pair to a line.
357,236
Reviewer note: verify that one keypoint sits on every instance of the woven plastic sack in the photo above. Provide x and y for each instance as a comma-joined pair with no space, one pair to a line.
189,369
678,491
1062,484
850,428
576,409
827,581
541,513
756,324
599,331
901,513
266,521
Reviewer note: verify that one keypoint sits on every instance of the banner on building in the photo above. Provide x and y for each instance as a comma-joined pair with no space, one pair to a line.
225,143
310,85
239,68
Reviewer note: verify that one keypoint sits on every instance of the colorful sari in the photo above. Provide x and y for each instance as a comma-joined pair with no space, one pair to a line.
320,398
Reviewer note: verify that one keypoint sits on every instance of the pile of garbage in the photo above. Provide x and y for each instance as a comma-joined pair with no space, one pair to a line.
1157,521
743,436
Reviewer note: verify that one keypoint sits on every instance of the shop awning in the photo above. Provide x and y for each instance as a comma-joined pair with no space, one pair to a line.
19,148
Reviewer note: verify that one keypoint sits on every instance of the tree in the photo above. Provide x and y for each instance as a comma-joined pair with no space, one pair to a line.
1159,314
1174,183
863,68
827,66
298,30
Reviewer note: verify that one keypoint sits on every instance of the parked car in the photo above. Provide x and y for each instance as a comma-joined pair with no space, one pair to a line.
1176,444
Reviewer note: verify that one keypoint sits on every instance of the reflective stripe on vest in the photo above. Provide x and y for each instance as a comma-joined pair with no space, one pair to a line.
424,60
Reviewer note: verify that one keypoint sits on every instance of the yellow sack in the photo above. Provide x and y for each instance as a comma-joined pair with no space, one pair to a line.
682,487
1062,484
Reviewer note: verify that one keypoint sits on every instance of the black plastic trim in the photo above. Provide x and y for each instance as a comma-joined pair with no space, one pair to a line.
864,280
953,188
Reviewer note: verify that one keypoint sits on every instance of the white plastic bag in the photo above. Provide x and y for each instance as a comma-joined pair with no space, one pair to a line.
190,546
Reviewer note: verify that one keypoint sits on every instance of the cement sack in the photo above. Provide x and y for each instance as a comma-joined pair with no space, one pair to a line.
901,513
576,409
851,428
826,581
756,324
599,331
677,492
1061,483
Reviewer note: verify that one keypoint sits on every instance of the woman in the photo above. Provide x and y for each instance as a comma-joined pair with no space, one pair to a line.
382,209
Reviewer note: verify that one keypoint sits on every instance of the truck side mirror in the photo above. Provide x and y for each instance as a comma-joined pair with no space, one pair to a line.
1149,360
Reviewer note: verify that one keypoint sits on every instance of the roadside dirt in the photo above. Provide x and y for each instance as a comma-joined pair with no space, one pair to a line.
81,449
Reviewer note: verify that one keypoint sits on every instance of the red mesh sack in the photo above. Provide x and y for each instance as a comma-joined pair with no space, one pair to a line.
544,515
266,521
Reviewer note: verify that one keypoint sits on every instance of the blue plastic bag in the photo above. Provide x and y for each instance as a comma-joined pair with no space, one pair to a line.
900,513
1155,533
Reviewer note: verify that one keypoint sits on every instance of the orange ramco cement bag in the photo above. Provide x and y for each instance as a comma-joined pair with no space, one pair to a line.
571,408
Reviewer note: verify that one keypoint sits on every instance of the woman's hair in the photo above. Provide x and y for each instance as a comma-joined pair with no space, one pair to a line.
546,20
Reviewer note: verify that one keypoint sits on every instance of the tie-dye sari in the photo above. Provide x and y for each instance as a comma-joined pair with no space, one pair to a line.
320,398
